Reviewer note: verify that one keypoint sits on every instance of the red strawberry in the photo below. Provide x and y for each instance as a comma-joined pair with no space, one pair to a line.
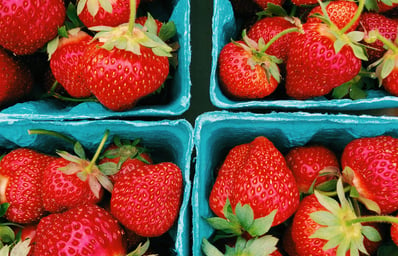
20,175
313,67
340,13
385,26
370,165
84,230
308,162
387,70
267,28
223,186
246,72
125,157
147,201
24,29
16,80
304,2
265,183
70,181
382,7
104,13
27,232
65,63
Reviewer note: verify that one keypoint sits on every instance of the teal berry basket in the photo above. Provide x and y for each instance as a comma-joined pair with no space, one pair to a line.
226,26
173,100
166,141
216,133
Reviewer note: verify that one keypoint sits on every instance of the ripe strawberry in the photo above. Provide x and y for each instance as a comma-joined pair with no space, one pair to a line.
223,186
389,79
267,28
307,231
16,80
27,232
24,29
313,67
387,27
370,165
246,72
65,63
340,13
308,162
104,13
147,201
124,157
20,175
304,2
84,230
70,181
265,183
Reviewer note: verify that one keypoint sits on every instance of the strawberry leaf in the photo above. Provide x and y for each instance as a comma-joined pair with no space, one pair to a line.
324,218
80,6
4,208
328,202
108,168
245,215
167,31
106,5
79,150
262,246
93,7
371,233
7,235
262,225
21,248
150,24
388,66
209,249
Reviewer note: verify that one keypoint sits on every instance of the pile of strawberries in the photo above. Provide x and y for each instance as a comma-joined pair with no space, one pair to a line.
309,201
96,50
68,204
302,49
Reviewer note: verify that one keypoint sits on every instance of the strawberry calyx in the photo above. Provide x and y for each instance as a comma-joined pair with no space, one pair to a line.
141,249
87,170
130,36
386,64
94,5
21,248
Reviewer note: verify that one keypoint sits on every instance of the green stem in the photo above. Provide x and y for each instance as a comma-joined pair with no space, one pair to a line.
390,45
133,9
277,36
334,193
52,133
355,18
376,218
98,151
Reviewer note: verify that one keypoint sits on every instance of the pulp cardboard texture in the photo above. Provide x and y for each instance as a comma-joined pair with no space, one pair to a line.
226,27
178,99
218,132
166,140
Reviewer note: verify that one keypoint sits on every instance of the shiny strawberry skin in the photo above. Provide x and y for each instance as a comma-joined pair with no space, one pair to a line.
61,191
340,13
84,230
313,68
120,14
307,161
23,27
238,79
266,183
16,80
374,163
223,186
147,201
387,27
120,78
66,64
20,175
269,27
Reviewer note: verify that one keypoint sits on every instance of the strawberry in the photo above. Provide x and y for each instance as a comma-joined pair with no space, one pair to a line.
24,29
65,62
222,188
16,80
370,165
104,13
304,2
340,13
314,67
308,162
71,180
20,175
124,157
84,230
387,27
147,201
309,230
267,28
246,71
265,183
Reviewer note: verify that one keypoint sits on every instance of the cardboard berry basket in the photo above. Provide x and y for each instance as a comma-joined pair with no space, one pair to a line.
170,141
227,26
173,100
216,133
